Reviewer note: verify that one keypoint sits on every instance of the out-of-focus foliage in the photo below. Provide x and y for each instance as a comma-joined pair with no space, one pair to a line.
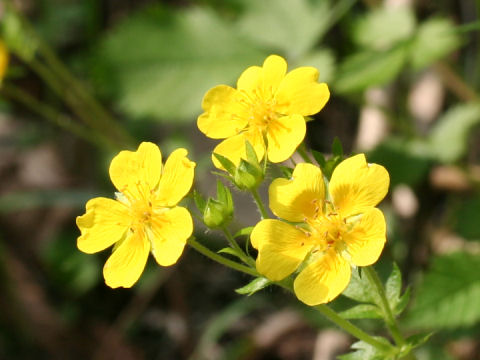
448,297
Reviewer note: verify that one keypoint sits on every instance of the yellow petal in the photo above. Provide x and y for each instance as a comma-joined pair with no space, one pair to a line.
234,148
104,223
366,240
225,115
355,185
284,135
281,248
322,280
274,70
3,60
299,198
250,79
135,173
176,180
170,231
299,93
124,267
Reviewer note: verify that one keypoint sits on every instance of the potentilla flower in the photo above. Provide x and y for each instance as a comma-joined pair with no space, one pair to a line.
329,234
3,60
144,217
267,108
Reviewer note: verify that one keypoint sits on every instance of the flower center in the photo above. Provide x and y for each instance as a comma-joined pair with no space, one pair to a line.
328,228
141,212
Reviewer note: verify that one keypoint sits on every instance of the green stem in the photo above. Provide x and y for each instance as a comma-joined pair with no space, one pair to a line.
220,259
351,329
343,323
259,203
231,240
387,311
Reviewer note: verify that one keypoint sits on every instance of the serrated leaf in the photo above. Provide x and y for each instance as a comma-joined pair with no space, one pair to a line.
384,26
417,340
369,68
366,351
261,23
246,231
226,163
393,286
254,286
402,302
435,39
362,311
448,296
178,56
359,288
453,128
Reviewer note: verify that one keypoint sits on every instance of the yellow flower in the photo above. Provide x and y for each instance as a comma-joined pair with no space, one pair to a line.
144,218
332,233
267,108
3,60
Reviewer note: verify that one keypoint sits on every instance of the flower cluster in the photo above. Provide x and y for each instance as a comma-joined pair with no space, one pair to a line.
319,233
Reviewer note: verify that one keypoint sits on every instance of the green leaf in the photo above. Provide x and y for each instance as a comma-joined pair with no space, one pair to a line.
448,140
362,311
226,163
448,296
393,286
178,56
402,302
275,24
366,351
369,68
244,232
383,27
417,340
359,288
435,39
230,251
254,286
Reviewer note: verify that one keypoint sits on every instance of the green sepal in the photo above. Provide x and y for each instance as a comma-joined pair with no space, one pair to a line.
337,148
230,251
226,163
254,286
224,196
200,202
319,158
246,231
248,176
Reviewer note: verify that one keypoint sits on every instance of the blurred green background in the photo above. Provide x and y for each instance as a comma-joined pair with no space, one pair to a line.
404,77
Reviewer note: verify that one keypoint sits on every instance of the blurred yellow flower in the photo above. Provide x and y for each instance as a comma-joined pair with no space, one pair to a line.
3,60
144,218
331,233
267,108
